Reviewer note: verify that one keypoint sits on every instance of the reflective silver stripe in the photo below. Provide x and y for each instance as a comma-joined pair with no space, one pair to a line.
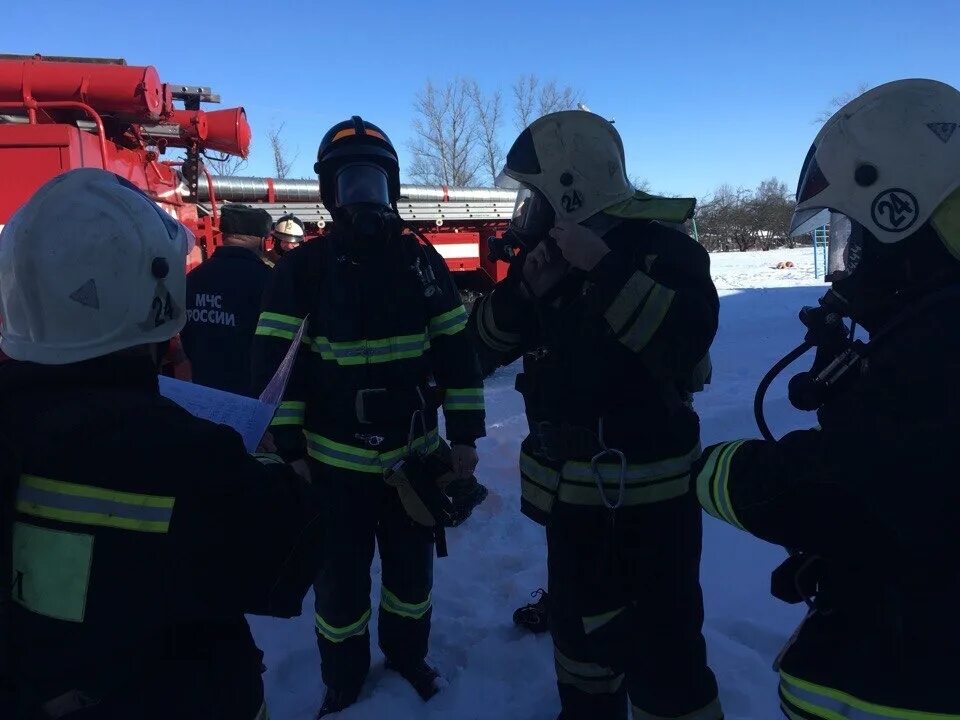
448,323
277,325
636,472
641,494
68,507
829,703
713,711
590,678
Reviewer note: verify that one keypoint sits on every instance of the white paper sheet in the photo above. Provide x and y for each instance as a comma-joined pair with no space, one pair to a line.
247,416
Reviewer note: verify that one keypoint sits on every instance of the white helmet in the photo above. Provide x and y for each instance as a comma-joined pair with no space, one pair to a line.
574,158
887,161
88,266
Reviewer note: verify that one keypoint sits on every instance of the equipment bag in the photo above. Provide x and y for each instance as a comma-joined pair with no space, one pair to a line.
416,479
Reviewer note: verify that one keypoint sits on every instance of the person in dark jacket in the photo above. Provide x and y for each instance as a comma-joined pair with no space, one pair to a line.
383,316
868,503
223,301
613,313
137,535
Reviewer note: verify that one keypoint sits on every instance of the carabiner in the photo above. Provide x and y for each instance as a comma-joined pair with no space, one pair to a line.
411,436
598,477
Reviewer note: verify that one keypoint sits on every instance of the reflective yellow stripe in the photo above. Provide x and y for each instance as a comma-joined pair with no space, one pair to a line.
448,323
368,352
339,634
276,325
595,622
588,677
536,495
644,483
463,399
290,412
630,297
413,611
721,488
712,711
89,505
825,702
364,459
651,316
705,482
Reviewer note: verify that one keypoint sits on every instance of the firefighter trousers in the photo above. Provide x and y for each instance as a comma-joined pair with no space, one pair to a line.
626,612
362,512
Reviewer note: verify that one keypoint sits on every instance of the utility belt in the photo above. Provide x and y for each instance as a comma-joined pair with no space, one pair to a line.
379,407
573,465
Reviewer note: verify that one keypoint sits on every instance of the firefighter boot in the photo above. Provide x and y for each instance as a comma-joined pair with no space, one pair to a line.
535,617
334,701
421,676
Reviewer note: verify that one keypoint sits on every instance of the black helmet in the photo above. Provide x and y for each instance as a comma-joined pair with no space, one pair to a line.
357,163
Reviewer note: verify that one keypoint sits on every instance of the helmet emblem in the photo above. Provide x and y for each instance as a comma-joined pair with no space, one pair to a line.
894,210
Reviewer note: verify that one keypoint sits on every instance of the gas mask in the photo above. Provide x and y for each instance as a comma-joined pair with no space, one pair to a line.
532,219
363,200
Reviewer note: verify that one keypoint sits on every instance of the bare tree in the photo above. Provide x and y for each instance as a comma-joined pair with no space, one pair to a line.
446,136
227,165
772,210
489,112
838,102
725,220
282,162
533,99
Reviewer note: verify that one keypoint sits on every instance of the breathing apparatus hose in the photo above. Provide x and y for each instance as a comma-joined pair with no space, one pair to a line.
787,360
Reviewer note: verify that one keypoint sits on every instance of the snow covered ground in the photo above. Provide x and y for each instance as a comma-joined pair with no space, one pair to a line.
491,669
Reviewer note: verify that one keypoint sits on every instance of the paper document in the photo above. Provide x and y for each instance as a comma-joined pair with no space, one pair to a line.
248,416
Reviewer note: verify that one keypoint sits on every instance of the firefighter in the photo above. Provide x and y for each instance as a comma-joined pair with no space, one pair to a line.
140,535
868,502
223,301
384,314
286,235
613,313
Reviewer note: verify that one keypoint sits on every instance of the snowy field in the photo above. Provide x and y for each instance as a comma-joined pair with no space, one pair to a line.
493,670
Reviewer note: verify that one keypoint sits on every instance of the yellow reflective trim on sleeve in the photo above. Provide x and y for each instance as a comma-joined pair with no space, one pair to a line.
630,297
89,505
339,634
490,334
721,487
705,482
276,325
289,412
412,611
651,316
448,323
463,399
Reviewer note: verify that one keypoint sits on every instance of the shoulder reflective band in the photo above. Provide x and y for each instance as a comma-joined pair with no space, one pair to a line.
713,711
645,483
89,505
805,698
290,412
339,634
538,483
412,611
448,323
587,677
367,352
463,399
51,571
364,459
713,490
279,326
648,321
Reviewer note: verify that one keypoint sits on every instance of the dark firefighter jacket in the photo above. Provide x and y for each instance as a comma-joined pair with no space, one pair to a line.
874,495
141,537
370,327
627,344
223,304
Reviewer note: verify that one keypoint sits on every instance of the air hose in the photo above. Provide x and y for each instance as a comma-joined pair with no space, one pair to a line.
768,379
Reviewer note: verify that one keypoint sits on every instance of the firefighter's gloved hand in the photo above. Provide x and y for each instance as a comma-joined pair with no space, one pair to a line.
581,247
543,268
463,459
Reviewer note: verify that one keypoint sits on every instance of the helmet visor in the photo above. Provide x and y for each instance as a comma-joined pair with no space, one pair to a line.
361,182
844,248
532,214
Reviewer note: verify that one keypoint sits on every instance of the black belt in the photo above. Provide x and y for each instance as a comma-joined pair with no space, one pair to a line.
560,442
381,406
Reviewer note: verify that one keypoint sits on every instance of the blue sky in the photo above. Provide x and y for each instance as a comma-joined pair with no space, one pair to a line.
702,92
